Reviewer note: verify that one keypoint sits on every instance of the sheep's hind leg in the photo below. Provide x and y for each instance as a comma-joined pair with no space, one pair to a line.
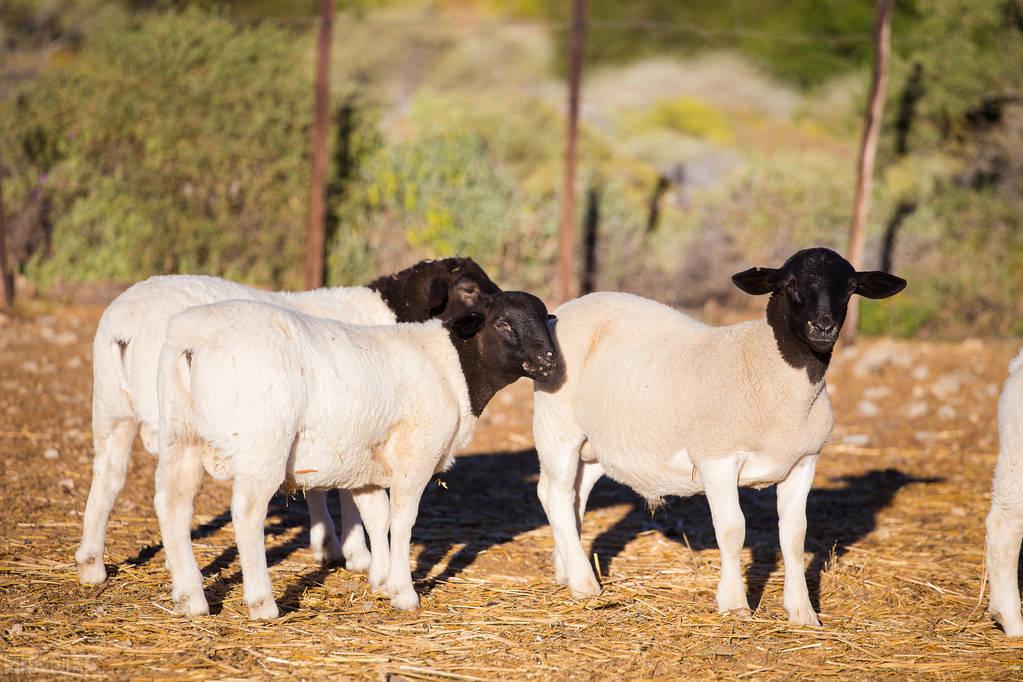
353,537
249,502
322,538
1004,533
178,477
375,510
109,468
720,483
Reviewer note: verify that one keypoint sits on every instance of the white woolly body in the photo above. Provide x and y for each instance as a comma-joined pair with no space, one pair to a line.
1005,520
126,350
345,400
654,392
267,396
670,406
125,382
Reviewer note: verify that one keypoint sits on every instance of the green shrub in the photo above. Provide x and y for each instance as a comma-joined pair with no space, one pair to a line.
178,142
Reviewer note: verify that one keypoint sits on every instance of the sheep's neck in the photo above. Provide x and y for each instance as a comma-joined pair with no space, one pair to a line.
405,294
481,378
793,351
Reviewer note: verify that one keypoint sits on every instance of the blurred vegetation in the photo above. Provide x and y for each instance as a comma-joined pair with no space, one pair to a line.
142,137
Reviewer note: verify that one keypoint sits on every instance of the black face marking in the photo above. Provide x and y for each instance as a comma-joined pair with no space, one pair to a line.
443,288
809,299
509,339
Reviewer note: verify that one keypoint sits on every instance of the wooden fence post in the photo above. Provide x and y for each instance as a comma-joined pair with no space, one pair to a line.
868,150
566,233
6,276
316,237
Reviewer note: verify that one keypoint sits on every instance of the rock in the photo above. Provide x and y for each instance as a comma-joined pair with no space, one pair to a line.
946,412
876,392
868,408
947,386
880,356
51,453
66,484
916,409
856,439
920,372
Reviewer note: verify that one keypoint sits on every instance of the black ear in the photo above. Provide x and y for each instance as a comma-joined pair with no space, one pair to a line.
467,325
437,296
757,281
878,284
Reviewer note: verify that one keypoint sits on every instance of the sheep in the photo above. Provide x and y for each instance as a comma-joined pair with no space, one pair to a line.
265,396
670,406
1005,520
127,347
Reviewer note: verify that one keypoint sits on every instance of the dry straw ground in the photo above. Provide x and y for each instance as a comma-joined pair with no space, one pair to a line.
894,551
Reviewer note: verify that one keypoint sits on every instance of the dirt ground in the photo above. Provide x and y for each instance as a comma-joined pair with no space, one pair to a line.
894,550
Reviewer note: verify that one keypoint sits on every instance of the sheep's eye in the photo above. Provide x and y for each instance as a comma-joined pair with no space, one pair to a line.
793,293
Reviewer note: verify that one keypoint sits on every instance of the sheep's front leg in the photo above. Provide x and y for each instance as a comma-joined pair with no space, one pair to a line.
561,502
792,494
1004,533
376,511
720,483
249,503
322,538
406,490
353,539
178,476
586,477
110,467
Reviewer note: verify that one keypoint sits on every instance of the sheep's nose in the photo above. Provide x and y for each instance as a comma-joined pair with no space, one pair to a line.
824,329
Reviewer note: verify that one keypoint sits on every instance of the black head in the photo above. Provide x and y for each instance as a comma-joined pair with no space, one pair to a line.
816,285
514,333
443,288
508,338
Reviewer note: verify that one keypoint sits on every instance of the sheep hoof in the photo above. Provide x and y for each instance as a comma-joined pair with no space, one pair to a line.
327,553
91,571
582,589
264,609
741,613
1013,627
191,605
358,560
405,599
803,615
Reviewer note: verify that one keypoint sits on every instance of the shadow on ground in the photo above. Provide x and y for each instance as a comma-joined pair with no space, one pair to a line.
490,499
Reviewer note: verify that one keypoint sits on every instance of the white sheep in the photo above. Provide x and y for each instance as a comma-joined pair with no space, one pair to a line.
266,396
670,406
1005,520
127,347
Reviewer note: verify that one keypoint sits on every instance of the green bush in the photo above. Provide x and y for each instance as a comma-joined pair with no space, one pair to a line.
177,142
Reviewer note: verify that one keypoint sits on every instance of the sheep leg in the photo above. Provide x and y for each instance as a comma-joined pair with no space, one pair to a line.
178,477
586,477
1004,533
109,469
322,538
720,483
375,508
249,502
560,472
406,490
353,538
792,494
